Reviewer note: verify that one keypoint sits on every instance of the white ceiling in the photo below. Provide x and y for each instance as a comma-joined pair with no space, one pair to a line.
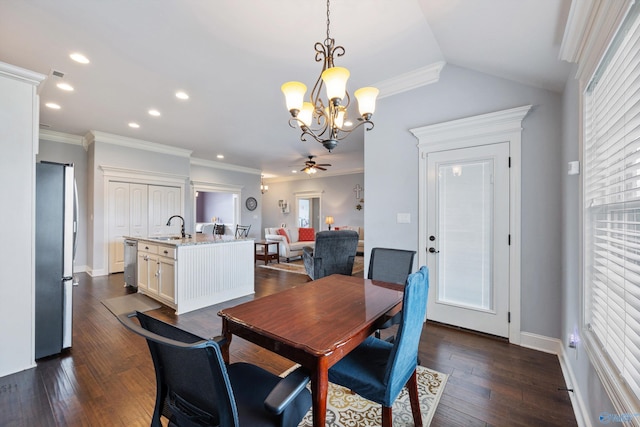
232,56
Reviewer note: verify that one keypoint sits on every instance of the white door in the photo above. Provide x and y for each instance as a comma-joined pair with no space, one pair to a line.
118,224
164,202
138,207
468,237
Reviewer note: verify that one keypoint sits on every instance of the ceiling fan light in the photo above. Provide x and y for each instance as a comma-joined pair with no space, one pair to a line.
294,95
335,79
366,97
306,114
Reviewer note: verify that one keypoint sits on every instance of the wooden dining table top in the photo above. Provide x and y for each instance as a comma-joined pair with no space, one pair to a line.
320,316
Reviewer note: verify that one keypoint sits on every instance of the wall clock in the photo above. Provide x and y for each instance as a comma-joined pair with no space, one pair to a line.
251,203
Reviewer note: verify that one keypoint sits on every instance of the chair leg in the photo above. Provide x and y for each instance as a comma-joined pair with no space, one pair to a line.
412,386
387,416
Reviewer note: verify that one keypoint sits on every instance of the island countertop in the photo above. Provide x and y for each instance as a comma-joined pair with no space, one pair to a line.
195,239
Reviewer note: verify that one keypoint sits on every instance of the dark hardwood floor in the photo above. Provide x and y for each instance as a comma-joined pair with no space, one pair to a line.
107,377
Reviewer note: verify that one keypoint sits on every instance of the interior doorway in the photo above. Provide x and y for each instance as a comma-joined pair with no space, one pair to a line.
309,210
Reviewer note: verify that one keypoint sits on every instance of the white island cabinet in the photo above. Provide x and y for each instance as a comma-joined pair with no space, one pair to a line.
196,272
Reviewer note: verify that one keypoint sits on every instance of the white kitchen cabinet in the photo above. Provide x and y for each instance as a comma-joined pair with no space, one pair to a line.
156,271
167,276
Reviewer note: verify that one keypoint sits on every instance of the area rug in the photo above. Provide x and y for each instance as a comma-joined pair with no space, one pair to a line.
130,303
346,409
297,266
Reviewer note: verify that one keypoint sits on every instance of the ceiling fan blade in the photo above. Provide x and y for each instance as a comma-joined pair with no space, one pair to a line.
322,169
304,169
323,164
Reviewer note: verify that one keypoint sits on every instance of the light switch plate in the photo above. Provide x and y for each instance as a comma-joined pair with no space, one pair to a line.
403,218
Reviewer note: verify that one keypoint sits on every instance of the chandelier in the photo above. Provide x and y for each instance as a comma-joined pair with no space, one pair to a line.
327,122
263,187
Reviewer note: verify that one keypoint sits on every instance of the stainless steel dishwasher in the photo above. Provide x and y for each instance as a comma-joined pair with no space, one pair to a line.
131,263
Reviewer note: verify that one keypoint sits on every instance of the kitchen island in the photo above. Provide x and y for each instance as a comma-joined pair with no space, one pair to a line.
194,272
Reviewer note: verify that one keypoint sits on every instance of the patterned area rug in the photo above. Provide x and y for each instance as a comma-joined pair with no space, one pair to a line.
345,409
297,266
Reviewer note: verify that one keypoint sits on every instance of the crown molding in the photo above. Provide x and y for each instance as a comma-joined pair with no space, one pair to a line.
411,80
591,25
224,166
476,127
65,138
97,136
22,74
302,176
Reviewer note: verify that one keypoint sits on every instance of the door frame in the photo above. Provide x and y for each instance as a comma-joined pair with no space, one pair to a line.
485,129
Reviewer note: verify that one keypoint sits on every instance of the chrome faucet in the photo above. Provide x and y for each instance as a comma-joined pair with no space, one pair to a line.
182,228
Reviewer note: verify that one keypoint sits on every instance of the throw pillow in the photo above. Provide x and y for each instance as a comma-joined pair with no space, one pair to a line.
283,232
307,235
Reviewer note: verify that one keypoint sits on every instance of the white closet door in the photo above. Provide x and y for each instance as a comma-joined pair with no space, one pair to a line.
118,224
138,210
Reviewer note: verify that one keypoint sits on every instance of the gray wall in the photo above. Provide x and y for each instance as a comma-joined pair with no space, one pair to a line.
76,154
391,176
593,393
338,200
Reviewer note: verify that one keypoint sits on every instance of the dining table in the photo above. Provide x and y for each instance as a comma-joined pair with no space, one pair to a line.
314,324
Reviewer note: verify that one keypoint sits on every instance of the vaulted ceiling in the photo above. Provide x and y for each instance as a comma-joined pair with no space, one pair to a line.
232,56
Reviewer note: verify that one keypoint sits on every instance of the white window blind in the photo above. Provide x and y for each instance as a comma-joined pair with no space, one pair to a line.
612,206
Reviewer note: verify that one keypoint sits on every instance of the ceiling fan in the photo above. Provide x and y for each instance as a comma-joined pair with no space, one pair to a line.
311,167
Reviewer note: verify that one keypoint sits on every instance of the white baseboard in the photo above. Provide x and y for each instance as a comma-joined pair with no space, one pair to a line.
80,268
555,346
96,273
540,343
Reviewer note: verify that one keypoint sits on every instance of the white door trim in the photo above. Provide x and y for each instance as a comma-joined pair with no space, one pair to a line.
499,126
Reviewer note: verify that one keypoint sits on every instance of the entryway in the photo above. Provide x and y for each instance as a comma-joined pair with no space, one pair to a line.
469,220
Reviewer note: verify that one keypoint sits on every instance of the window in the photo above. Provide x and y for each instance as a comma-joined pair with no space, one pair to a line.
612,215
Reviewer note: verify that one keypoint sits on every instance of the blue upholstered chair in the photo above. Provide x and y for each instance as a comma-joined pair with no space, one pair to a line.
195,388
334,253
393,266
378,370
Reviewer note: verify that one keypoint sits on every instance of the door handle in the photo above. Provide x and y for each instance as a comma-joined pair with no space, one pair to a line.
433,251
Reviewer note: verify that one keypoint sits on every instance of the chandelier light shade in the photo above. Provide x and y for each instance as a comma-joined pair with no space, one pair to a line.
263,187
327,121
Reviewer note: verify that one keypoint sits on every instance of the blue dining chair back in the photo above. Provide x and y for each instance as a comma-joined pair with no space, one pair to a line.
378,370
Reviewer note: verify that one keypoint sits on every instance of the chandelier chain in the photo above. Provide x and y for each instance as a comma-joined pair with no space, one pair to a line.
328,22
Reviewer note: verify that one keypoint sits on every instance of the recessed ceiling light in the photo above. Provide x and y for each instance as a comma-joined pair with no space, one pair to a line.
52,105
220,156
154,113
134,125
78,57
65,86
294,171
182,95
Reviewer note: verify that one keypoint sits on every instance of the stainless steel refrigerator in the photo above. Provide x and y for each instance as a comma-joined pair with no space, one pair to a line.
56,227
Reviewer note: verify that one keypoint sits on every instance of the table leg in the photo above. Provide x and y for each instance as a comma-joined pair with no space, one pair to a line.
224,349
319,389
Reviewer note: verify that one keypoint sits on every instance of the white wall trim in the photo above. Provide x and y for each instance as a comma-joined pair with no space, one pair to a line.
590,28
216,187
224,166
303,176
499,126
142,176
410,80
21,74
577,402
96,136
65,138
540,343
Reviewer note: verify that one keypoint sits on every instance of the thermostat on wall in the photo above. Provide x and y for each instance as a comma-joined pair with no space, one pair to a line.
574,168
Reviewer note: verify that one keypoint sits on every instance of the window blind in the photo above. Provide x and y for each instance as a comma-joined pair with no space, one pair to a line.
612,205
